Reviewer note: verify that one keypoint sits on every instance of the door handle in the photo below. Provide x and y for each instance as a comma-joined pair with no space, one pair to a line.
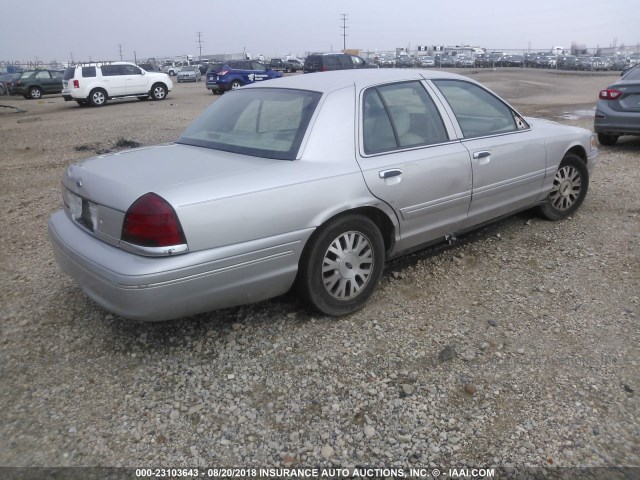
483,157
482,154
390,173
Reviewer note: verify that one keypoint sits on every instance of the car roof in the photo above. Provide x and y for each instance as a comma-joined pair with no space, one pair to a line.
326,82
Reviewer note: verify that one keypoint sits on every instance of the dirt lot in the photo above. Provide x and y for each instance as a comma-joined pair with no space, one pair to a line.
517,346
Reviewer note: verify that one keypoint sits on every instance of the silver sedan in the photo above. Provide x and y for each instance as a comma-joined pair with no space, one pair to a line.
189,74
312,181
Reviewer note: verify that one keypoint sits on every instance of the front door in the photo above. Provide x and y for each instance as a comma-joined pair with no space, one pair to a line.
508,159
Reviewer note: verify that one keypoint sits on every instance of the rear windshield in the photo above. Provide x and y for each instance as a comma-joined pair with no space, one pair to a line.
633,74
262,122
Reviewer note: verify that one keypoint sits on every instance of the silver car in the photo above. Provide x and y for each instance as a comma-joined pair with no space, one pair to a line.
189,74
618,109
312,181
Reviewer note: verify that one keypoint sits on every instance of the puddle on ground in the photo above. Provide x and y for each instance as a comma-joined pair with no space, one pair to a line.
576,114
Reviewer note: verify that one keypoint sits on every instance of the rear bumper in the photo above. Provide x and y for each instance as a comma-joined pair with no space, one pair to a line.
154,289
613,122
216,87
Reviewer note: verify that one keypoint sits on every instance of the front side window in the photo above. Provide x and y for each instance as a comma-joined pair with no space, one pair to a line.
400,115
262,122
478,112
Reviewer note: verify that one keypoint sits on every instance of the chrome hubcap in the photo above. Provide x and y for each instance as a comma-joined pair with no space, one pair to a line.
159,92
35,94
566,188
347,265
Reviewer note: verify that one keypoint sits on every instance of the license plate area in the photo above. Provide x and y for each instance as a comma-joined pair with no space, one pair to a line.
82,211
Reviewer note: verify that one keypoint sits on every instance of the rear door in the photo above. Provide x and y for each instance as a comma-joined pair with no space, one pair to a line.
409,161
113,80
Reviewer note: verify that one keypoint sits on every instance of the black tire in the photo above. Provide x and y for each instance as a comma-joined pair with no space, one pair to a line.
570,185
35,93
158,92
607,140
352,244
97,98
235,84
3,91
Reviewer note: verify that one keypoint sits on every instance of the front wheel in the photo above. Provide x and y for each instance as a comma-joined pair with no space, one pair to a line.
158,92
570,186
607,140
341,265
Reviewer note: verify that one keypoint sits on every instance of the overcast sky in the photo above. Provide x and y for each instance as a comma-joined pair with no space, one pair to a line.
49,30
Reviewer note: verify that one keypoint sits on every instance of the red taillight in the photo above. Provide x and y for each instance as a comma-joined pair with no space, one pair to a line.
76,84
222,72
610,94
152,222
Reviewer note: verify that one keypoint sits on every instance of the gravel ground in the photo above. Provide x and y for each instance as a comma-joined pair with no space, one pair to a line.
517,346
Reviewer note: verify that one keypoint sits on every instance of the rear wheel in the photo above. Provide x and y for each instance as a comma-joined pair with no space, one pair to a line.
236,84
607,140
158,92
570,186
97,98
341,265
35,93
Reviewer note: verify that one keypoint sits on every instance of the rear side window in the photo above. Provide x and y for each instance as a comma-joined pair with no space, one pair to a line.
111,70
69,73
400,115
331,62
345,62
88,72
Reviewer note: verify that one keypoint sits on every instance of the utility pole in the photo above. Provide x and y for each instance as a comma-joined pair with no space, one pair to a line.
344,31
199,35
120,48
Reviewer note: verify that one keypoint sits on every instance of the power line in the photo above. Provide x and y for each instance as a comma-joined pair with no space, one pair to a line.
344,31
199,35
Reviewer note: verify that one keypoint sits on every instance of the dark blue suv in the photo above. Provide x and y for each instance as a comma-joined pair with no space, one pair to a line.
236,73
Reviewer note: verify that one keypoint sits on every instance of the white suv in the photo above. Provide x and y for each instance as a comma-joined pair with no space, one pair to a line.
95,83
